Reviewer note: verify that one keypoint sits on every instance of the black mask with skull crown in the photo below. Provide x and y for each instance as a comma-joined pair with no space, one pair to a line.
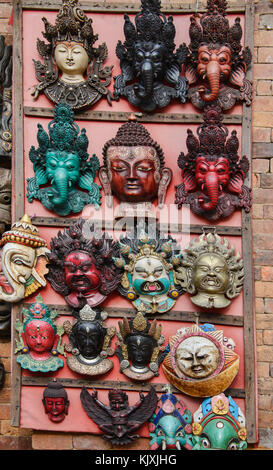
211,271
139,351
148,60
150,264
78,78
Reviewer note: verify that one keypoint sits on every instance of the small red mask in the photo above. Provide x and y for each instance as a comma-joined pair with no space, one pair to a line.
39,337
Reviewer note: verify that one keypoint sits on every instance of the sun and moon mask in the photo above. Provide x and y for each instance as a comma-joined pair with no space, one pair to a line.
202,361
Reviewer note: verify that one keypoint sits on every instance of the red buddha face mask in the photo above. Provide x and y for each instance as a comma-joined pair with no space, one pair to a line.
56,408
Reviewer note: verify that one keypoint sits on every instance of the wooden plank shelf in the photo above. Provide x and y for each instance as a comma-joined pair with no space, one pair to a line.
172,315
109,385
109,225
120,116
119,7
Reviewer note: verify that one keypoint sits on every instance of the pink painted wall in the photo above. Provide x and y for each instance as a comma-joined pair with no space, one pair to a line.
171,138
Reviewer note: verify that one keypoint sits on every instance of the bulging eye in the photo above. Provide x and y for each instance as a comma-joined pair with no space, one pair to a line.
179,434
5,198
232,446
139,56
205,443
204,59
160,432
155,56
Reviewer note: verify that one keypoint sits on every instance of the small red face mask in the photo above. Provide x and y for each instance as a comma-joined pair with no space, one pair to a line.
39,337
81,274
56,408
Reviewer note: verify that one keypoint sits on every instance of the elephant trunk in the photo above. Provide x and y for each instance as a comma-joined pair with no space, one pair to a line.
146,79
61,185
213,76
211,184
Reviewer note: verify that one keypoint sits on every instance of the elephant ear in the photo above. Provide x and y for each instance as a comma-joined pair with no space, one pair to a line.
236,182
237,76
188,180
190,74
172,74
40,175
86,181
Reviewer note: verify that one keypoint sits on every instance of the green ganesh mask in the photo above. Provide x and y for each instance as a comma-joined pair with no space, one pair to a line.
219,424
64,179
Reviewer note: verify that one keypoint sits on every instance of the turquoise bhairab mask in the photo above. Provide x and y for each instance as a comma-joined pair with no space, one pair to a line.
64,179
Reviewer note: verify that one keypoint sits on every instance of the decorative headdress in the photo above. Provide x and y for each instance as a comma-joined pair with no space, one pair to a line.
71,25
214,29
212,243
5,98
212,141
23,232
221,409
102,250
132,134
140,326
